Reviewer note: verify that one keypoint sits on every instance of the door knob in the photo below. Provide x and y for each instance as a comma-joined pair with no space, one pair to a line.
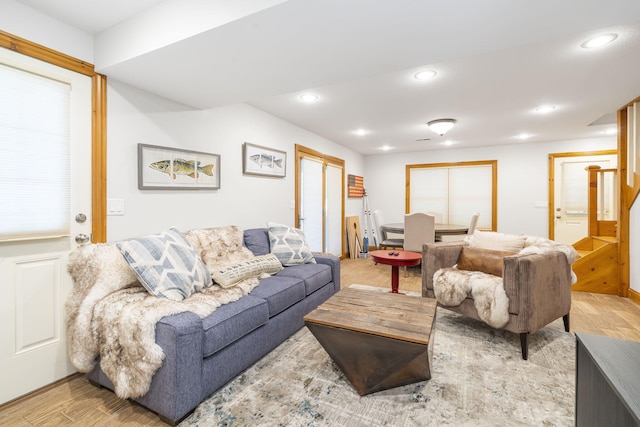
81,239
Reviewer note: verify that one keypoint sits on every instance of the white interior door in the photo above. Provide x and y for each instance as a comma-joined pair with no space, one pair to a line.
571,192
311,189
33,271
333,230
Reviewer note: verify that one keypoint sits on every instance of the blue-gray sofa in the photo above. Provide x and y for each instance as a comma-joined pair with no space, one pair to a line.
201,355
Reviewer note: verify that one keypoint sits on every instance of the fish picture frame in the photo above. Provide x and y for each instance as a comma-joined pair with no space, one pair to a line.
264,161
165,168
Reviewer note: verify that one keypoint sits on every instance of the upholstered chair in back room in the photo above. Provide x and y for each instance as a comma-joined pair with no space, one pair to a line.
384,241
419,228
455,237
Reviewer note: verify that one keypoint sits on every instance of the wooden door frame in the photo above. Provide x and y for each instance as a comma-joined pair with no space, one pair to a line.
552,158
301,152
98,122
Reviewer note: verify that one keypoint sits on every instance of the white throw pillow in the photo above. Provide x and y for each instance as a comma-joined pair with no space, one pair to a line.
232,274
497,241
289,245
166,264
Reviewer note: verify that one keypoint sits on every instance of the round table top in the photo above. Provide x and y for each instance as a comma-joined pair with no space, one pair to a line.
403,259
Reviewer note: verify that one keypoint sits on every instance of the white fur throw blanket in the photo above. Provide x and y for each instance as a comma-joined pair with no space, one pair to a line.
452,286
112,316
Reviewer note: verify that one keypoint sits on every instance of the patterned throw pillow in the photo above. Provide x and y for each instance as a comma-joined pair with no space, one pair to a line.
232,274
166,265
289,245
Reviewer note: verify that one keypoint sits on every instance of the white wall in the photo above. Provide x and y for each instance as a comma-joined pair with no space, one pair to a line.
135,116
522,179
22,21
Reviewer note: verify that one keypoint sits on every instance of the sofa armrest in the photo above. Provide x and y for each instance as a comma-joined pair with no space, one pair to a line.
177,386
333,262
538,287
436,256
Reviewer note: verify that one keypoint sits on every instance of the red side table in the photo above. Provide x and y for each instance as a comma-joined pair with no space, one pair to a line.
403,259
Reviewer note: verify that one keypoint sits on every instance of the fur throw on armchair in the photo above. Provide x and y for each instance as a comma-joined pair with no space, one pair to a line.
110,314
452,286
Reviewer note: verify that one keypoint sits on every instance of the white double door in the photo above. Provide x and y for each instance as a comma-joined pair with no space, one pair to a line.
34,282
320,207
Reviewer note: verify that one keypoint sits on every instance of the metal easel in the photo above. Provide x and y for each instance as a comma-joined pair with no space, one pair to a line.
369,225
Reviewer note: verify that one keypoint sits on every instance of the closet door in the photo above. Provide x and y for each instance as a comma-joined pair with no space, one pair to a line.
320,200
334,196
311,194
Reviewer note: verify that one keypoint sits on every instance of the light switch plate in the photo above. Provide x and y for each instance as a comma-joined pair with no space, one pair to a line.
115,206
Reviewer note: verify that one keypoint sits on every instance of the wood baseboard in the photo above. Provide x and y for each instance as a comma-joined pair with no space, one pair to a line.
634,296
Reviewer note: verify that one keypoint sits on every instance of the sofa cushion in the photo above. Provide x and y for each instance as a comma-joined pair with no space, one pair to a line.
232,321
315,276
228,276
484,260
257,241
497,241
280,292
289,245
166,264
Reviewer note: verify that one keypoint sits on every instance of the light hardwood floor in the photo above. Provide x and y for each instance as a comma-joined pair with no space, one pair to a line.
77,403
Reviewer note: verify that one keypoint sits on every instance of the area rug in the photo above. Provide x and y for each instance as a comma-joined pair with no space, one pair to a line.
478,379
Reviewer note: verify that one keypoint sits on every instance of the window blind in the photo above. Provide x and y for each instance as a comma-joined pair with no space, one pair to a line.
35,152
457,192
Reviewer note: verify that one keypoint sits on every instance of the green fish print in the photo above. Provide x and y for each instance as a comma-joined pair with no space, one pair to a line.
266,160
182,167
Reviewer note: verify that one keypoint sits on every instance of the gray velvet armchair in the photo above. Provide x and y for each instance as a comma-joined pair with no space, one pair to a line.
538,287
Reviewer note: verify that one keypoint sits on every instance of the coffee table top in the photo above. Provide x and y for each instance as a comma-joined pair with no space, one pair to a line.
403,259
394,316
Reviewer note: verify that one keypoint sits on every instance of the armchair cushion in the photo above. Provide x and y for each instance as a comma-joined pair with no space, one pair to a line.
484,260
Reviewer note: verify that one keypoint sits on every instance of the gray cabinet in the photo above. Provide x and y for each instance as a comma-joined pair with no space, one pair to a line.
607,381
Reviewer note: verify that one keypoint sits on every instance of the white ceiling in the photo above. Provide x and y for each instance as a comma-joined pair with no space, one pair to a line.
497,60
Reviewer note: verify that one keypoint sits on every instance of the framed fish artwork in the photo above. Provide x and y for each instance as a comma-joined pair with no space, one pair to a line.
165,168
258,160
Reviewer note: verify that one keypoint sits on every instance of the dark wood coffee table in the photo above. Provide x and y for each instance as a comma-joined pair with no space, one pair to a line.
378,340
402,259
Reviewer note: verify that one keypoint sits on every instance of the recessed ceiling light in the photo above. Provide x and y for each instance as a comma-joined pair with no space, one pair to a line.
524,136
599,41
309,97
361,132
448,142
386,148
544,109
425,75
611,131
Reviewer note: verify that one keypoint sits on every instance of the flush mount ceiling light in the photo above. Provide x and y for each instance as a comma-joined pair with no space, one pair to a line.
544,109
424,75
309,98
441,126
599,41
